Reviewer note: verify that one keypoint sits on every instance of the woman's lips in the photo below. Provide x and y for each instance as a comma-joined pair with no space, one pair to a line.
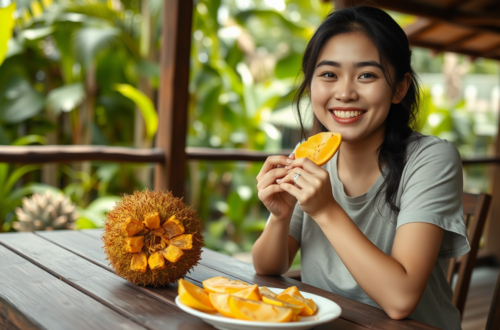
346,116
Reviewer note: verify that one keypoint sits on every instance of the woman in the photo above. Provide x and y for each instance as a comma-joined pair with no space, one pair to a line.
380,220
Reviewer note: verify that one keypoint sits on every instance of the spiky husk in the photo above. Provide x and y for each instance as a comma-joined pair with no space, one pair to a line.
138,205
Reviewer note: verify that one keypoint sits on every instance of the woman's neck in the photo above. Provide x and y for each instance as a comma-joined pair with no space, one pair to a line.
357,163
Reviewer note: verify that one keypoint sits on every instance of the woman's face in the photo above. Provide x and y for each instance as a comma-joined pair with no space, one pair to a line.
349,93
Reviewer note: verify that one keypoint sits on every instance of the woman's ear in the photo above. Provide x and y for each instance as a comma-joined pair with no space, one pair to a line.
402,88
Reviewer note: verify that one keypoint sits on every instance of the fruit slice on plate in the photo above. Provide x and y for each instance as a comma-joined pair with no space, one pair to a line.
292,291
308,304
264,291
220,301
319,148
251,310
194,297
251,293
222,284
296,309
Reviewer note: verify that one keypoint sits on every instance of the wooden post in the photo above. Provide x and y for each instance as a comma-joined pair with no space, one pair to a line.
173,94
492,233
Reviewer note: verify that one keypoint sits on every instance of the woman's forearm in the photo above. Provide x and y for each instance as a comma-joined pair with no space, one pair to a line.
384,279
270,251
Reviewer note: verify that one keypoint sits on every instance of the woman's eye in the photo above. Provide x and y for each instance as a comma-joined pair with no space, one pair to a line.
367,76
328,75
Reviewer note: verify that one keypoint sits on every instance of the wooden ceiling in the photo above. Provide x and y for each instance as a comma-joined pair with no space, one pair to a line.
470,27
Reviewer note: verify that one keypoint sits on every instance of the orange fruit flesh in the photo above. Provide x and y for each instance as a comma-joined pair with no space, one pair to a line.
296,309
309,305
251,293
194,297
264,291
224,285
319,148
250,310
220,301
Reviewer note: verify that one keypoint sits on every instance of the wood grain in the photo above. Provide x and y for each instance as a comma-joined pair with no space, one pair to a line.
33,299
100,284
88,246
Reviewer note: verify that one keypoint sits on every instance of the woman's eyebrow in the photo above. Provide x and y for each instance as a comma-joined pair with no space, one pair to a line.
356,65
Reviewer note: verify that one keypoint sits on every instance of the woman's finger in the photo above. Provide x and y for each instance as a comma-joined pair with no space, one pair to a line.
304,180
265,194
270,177
292,190
306,164
271,162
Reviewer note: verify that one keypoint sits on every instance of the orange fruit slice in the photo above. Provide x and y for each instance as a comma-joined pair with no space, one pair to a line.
319,148
292,290
251,310
220,301
308,304
222,284
194,297
296,309
251,293
264,291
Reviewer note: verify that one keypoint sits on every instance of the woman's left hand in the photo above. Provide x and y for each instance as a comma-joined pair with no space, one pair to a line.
313,188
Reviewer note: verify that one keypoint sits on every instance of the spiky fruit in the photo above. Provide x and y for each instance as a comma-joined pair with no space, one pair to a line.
47,211
152,238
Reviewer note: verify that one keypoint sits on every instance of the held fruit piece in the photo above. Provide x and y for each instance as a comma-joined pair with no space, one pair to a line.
156,261
184,242
152,220
296,309
173,227
220,301
132,226
172,253
251,293
194,297
224,285
245,309
319,148
309,305
139,262
135,244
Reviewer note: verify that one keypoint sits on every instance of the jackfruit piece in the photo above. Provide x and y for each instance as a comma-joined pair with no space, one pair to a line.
166,239
172,253
184,242
159,231
173,227
139,262
134,244
156,261
152,220
132,226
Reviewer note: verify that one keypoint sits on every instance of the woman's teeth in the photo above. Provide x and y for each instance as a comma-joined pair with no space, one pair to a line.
347,114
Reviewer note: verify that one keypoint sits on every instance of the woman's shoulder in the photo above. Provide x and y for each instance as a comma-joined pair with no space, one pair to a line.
429,148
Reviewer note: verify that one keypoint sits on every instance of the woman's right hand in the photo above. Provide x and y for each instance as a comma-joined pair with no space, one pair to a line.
276,200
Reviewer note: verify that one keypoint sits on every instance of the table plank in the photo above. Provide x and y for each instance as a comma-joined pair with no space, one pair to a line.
88,246
100,284
352,310
30,298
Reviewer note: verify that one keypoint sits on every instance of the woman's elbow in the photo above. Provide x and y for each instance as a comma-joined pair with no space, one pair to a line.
402,309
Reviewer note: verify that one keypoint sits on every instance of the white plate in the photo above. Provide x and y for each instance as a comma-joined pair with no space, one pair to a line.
327,311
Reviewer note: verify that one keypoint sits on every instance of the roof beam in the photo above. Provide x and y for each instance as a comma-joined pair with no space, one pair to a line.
439,48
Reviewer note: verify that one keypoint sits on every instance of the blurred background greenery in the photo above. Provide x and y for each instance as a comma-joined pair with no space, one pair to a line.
87,72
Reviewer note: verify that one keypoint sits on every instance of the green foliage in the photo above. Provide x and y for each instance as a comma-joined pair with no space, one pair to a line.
7,20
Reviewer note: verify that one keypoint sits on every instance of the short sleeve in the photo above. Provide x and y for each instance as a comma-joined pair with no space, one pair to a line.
296,223
432,193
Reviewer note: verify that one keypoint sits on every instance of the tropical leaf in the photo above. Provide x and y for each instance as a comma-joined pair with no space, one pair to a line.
144,104
30,139
16,176
65,98
7,27
33,34
89,41
21,101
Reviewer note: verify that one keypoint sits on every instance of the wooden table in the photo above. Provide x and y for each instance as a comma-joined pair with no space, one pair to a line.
61,280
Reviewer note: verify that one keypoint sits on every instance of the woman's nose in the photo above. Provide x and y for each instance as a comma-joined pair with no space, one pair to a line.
345,91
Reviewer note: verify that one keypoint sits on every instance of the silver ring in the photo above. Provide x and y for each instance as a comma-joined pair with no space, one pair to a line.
295,177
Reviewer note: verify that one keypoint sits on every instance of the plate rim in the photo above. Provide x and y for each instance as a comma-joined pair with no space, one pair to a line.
289,325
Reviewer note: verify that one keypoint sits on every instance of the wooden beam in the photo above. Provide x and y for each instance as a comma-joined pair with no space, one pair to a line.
454,46
173,94
440,48
232,154
421,25
75,153
493,224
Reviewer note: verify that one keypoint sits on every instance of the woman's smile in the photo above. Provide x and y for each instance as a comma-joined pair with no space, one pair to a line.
346,115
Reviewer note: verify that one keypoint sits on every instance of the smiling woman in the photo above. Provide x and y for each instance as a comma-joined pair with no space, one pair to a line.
379,221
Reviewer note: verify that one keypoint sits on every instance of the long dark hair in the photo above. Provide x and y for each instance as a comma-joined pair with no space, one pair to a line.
393,48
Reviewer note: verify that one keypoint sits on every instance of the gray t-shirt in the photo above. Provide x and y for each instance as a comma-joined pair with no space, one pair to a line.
430,191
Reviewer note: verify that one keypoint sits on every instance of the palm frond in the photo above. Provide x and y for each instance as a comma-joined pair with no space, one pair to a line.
90,40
